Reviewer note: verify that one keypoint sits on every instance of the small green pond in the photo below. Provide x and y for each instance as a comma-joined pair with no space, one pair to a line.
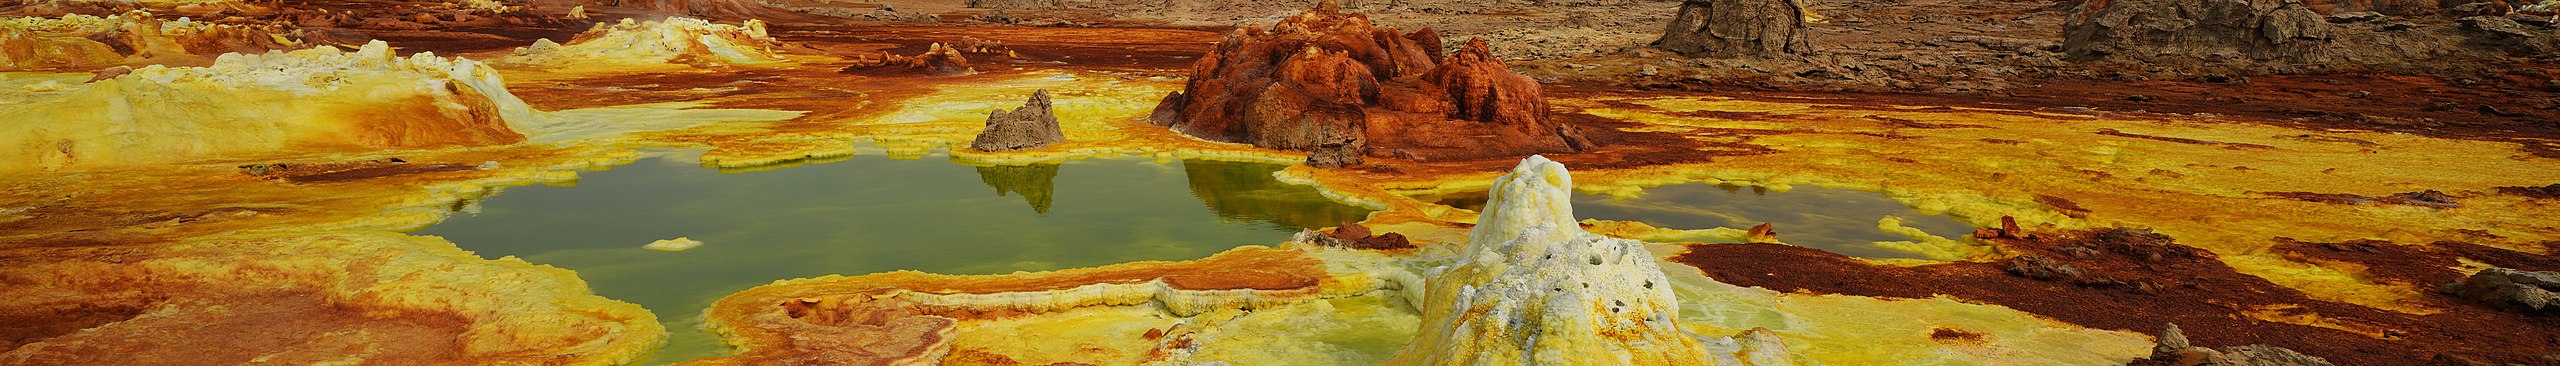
1837,220
871,214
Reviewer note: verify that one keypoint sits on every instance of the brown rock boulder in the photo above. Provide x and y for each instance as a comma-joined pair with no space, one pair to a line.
2174,349
1330,80
1022,128
1755,29
2521,291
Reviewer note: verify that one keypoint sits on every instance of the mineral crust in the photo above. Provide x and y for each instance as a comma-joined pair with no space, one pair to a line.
277,103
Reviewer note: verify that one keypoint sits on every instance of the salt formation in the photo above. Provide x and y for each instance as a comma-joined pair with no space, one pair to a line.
1531,287
248,106
80,42
676,40
673,245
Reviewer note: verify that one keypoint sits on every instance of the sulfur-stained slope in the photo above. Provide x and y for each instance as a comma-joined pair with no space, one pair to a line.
378,298
79,42
674,40
262,105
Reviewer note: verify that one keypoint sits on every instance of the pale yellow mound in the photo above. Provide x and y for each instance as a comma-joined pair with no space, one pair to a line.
81,42
248,106
676,40
1531,288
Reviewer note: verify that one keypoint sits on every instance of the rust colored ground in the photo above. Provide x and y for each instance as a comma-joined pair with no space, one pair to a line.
2216,306
2388,103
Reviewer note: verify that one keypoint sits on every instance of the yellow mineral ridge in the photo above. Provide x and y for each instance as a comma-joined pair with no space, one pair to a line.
674,40
79,42
262,105
375,297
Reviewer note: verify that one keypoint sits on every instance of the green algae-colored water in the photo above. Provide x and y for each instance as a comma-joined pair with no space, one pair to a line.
1837,220
871,214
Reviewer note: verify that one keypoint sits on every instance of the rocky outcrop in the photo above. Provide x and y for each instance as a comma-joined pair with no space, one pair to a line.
1334,154
79,42
712,9
1324,77
1014,4
2159,30
676,40
2175,350
1738,29
1022,128
2243,37
1531,288
2521,291
937,59
1353,235
249,106
198,8
2378,7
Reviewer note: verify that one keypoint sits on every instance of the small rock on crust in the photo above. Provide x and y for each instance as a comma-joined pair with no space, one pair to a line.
1352,235
2174,349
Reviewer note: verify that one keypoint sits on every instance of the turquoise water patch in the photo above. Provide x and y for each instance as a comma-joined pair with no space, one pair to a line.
869,215
1837,220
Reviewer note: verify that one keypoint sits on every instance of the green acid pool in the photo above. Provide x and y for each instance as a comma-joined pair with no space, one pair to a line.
871,214
1837,220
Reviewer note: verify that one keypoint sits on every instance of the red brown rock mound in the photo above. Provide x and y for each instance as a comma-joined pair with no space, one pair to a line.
1324,77
936,60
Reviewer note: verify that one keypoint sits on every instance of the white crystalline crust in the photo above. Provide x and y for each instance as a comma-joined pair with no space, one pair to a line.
1532,288
675,40
1537,192
243,105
